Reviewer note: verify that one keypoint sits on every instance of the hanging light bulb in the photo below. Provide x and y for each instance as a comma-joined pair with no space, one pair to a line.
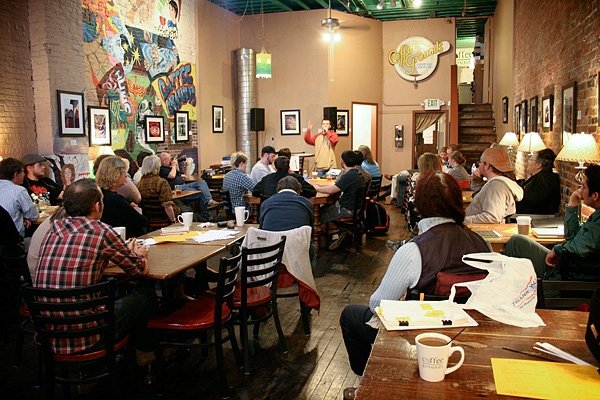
380,4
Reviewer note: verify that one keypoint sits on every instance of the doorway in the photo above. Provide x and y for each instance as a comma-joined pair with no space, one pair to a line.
364,126
431,132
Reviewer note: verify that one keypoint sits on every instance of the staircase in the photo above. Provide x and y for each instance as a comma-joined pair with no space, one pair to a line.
476,130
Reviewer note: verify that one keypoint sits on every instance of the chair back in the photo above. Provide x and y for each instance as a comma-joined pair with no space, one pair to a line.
226,283
15,273
226,200
571,294
575,268
153,210
82,316
375,187
260,266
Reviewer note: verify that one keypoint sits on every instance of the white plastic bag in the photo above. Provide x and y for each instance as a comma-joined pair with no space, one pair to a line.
508,294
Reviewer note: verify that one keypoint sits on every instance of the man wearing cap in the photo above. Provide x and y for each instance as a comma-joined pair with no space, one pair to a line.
263,167
496,200
36,182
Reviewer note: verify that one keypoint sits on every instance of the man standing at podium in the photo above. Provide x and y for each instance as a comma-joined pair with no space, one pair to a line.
324,142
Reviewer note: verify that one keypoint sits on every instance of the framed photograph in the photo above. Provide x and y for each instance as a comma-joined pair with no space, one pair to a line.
533,114
547,112
569,108
155,129
70,113
524,124
217,119
517,120
343,121
290,122
505,110
182,126
99,126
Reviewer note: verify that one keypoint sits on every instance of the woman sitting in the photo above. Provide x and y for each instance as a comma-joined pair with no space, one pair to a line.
541,192
457,169
442,242
157,201
110,176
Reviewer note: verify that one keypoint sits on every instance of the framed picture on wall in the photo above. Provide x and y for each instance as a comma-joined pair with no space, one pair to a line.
569,109
524,124
182,126
290,122
217,120
505,110
343,120
70,113
547,112
533,114
155,129
517,120
99,126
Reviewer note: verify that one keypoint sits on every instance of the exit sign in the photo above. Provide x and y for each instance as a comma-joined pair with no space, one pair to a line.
432,104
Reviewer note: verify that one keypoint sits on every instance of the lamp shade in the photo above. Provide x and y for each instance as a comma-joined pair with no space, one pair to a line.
582,147
263,65
531,142
509,139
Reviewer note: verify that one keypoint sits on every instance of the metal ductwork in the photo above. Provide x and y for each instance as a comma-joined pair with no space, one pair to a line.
245,99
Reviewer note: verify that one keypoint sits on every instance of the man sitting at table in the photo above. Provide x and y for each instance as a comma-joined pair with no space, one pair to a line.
236,182
14,197
286,209
264,166
76,251
582,240
169,170
35,179
496,200
541,192
268,184
442,241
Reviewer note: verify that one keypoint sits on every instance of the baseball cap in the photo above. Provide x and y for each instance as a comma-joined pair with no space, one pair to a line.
498,158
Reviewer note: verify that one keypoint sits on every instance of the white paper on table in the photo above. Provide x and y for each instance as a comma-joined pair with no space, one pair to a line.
211,235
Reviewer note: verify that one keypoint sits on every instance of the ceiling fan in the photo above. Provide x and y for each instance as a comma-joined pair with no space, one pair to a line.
331,26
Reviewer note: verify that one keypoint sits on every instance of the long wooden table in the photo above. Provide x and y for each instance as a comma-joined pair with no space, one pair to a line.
239,230
507,231
185,193
392,369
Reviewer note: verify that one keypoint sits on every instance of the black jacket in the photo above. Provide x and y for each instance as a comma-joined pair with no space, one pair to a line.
541,193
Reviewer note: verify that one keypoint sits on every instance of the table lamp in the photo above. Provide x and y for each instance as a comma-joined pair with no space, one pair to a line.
581,148
510,139
531,143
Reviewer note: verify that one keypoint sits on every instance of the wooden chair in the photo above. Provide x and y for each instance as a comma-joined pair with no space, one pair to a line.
444,282
92,307
210,311
255,299
374,189
153,210
571,294
356,223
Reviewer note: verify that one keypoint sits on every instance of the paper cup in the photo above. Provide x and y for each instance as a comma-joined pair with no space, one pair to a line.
122,231
433,352
523,224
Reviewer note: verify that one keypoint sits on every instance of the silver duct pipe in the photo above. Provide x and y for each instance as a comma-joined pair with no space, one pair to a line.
245,99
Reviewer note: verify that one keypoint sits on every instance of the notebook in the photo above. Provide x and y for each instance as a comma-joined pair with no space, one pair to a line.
489,234
556,232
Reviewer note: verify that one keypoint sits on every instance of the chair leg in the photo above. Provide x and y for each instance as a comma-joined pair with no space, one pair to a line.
222,376
282,344
244,340
305,314
234,346
256,330
19,343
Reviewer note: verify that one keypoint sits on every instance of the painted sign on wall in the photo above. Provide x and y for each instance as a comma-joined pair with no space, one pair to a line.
416,58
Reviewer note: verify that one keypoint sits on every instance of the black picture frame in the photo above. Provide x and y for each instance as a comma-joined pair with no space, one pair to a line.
290,122
70,113
569,109
217,119
182,126
524,124
505,110
155,129
533,114
99,126
517,120
547,112
343,122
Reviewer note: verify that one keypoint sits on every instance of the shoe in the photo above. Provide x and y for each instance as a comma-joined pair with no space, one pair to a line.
350,393
336,243
212,203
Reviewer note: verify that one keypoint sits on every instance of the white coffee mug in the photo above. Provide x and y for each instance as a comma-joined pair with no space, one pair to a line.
122,231
433,352
241,215
186,218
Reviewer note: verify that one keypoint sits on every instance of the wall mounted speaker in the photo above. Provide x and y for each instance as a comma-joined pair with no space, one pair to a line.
330,113
257,119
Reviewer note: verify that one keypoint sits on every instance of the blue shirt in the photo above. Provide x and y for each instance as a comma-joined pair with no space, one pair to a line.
237,183
372,169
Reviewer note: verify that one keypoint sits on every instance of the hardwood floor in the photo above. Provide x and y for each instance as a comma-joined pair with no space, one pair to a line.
316,366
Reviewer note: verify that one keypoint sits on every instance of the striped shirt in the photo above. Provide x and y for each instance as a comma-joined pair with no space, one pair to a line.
16,200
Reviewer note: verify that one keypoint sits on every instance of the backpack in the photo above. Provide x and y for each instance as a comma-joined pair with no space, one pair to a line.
377,219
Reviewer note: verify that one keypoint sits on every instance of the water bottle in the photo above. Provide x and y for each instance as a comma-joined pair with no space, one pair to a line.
473,169
305,174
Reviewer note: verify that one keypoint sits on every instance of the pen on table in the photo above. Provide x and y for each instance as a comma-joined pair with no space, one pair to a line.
529,353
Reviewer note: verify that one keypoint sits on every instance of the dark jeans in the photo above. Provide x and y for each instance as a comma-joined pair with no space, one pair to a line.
358,336
132,313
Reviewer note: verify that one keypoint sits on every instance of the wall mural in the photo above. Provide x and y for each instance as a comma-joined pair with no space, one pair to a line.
135,67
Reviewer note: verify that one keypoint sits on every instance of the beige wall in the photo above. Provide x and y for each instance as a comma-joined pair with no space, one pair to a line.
502,64
400,97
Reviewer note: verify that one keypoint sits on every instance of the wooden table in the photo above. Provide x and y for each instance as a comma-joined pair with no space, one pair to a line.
47,213
392,369
185,193
507,231
467,197
241,233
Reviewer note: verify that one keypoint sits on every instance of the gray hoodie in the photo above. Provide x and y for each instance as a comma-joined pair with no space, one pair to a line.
494,202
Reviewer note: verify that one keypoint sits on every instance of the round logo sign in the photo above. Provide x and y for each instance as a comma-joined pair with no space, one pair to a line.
416,57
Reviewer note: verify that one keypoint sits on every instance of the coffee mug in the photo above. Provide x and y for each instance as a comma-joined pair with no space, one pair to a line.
241,215
122,231
433,352
186,218
523,224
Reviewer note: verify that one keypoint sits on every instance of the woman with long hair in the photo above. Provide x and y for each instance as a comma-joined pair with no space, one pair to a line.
369,164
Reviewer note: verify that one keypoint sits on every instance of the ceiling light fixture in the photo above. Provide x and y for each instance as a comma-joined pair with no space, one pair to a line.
380,4
417,3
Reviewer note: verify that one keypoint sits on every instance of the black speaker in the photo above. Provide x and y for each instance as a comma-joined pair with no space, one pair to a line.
330,113
257,119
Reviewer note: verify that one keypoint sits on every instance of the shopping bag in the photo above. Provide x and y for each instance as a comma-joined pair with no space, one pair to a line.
509,292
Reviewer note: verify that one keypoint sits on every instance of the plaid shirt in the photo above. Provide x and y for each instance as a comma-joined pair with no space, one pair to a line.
74,253
237,183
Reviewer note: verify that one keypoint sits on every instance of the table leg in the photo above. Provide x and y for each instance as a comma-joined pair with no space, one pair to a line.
316,235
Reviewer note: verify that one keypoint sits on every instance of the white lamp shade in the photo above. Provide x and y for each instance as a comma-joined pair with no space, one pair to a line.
509,139
531,142
582,147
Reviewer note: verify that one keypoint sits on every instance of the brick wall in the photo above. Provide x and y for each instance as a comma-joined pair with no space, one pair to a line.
564,48
17,129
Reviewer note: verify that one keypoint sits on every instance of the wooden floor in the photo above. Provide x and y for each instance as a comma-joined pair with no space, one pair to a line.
316,366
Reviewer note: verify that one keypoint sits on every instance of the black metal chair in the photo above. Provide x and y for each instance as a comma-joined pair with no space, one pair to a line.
226,201
356,223
374,189
255,300
565,294
210,311
81,315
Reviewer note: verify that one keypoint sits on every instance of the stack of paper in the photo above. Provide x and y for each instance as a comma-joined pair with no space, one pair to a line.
169,230
211,235
558,232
